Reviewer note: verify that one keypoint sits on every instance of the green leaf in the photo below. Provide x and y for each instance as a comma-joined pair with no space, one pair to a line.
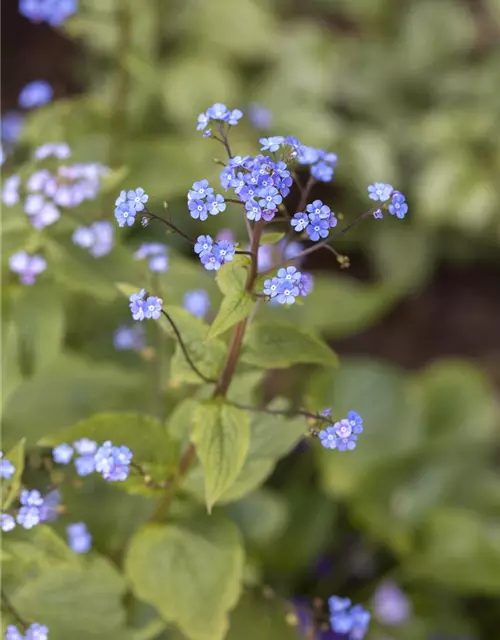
40,317
231,276
260,516
74,602
190,571
222,435
279,346
11,370
234,307
263,618
10,488
207,356
147,438
272,238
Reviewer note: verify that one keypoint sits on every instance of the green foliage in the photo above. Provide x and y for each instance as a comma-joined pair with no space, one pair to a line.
221,434
10,488
190,572
278,346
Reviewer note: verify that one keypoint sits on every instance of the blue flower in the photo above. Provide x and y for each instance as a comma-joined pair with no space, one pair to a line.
318,209
7,469
138,197
203,120
287,292
98,238
328,438
35,94
259,116
28,267
218,111
200,190
54,12
348,620
299,221
137,305
253,211
7,522
85,446
157,253
355,421
390,605
378,214
272,144
129,338
270,198
203,244
198,209
63,453
85,465
197,302
210,262
305,284
234,117
215,204
36,631
224,251
346,440
125,214
317,228
113,462
207,133
28,515
31,498
79,539
271,286
49,511
10,192
380,191
153,307
59,150
322,171
398,206
11,126
289,275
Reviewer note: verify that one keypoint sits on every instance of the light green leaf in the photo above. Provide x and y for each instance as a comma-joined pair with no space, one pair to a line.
11,371
234,307
208,357
190,571
10,488
40,317
279,346
77,603
260,516
231,277
147,438
272,238
259,617
222,435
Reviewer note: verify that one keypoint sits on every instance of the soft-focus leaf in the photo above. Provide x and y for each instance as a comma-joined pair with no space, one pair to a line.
231,276
10,488
257,617
190,571
234,307
261,516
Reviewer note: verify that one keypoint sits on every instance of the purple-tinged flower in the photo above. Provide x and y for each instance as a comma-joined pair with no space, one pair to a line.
271,286
317,228
345,619
328,438
197,302
98,238
11,126
48,215
291,250
7,469
308,155
153,307
35,94
157,254
63,453
85,465
85,447
215,204
224,251
38,180
137,305
380,191
225,234
398,206
204,244
138,197
200,190
7,522
305,284
264,257
10,193
259,116
271,144
129,338
346,440
299,221
113,463
59,150
28,515
234,116
203,120
390,605
210,261
28,267
218,111
37,631
49,511
198,209
79,539
125,214
378,214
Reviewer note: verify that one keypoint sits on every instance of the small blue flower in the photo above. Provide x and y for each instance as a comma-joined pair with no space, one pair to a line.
137,305
59,150
85,465
322,171
203,120
305,284
270,198
7,522
85,447
289,275
234,117
218,111
125,214
35,94
200,190
153,307
63,453
319,210
253,210
198,209
28,267
272,144
398,206
299,221
98,238
224,251
259,116
138,197
317,228
11,126
390,605
271,287
207,133
215,204
129,338
197,302
349,620
28,515
203,244
49,511
328,438
54,12
355,421
210,262
79,539
112,462
7,469
157,253
10,192
380,191
287,292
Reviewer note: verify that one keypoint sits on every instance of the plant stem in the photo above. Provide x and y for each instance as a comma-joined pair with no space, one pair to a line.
280,412
169,224
305,194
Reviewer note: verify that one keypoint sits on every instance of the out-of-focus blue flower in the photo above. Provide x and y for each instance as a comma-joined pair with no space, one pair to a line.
352,621
63,453
129,338
53,12
157,254
390,605
98,238
380,191
271,144
10,193
112,462
197,302
49,511
35,94
11,126
28,515
28,267
7,522
59,150
79,539
85,464
35,631
7,469
259,116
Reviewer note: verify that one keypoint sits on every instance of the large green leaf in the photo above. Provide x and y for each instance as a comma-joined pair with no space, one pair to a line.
190,571
148,439
74,602
10,488
234,307
231,277
221,434
279,346
259,617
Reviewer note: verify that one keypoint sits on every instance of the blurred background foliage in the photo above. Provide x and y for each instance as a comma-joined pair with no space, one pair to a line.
404,91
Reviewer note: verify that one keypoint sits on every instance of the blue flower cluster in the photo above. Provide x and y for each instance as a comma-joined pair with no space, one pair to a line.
317,222
287,285
382,192
129,338
79,539
35,631
157,254
11,127
35,94
213,254
145,307
34,509
53,12
7,469
321,162
128,204
218,114
202,201
28,267
197,302
97,238
112,462
342,435
350,620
